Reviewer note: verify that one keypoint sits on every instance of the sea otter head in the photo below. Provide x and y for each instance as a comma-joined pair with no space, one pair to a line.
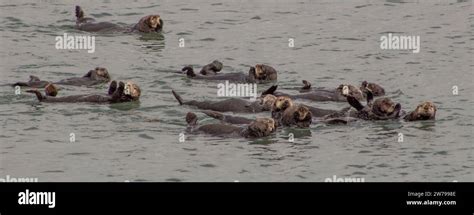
154,22
376,89
132,90
261,127
282,103
191,119
425,111
100,73
267,101
384,107
302,116
347,89
264,72
51,90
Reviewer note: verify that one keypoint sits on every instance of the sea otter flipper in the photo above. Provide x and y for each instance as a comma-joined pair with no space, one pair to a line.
112,87
119,93
176,95
370,96
37,93
355,103
270,90
79,12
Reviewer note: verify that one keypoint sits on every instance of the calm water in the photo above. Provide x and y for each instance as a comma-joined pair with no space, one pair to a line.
336,42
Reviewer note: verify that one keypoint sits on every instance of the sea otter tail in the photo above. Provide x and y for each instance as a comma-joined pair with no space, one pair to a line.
37,93
180,100
79,12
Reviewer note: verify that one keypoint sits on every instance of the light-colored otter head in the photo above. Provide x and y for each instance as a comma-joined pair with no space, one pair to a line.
282,103
51,90
376,89
425,111
347,89
383,106
154,21
132,90
261,127
267,101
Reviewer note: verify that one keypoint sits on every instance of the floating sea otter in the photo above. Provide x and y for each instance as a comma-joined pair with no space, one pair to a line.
125,92
380,109
333,95
97,76
424,111
237,105
147,24
285,113
230,105
261,127
259,73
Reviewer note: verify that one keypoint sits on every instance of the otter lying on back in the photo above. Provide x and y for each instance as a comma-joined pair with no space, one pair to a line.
260,127
123,93
259,73
332,95
230,105
285,113
147,24
97,76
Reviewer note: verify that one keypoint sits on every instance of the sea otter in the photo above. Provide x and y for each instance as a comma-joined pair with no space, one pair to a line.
424,111
147,24
212,68
125,92
237,105
230,105
258,74
261,127
332,95
285,113
323,94
97,76
380,109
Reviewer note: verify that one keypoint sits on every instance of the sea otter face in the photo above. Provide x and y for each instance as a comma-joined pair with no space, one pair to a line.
51,90
259,72
349,90
102,73
302,114
267,101
132,90
376,89
282,103
383,106
426,110
154,21
261,127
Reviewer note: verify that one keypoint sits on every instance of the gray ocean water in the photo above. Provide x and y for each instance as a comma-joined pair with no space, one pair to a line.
335,42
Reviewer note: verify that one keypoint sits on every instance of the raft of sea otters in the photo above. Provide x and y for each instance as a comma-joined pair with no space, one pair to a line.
283,111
